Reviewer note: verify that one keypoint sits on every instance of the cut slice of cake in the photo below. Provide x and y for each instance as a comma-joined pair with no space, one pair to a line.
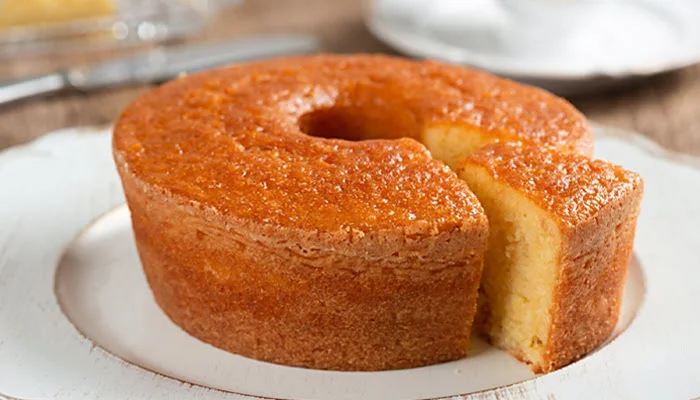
561,234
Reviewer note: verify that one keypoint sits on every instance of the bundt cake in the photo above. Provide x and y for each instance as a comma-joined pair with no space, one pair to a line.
295,211
561,233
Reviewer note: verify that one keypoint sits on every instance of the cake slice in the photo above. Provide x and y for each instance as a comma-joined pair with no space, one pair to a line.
561,233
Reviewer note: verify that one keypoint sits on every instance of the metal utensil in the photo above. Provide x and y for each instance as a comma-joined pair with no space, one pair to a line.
157,65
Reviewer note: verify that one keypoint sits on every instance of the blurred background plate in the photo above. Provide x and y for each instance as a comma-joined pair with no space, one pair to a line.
578,47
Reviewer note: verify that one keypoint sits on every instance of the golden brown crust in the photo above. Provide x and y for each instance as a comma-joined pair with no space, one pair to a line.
594,266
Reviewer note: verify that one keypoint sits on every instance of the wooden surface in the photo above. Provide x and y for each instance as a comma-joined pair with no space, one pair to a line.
666,108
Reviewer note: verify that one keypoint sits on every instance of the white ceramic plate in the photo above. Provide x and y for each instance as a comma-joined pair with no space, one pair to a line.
566,52
54,286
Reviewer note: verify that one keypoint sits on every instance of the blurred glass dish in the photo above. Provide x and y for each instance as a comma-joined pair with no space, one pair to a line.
50,26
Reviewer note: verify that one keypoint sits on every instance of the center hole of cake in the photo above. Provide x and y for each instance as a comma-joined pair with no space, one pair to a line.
333,123
357,123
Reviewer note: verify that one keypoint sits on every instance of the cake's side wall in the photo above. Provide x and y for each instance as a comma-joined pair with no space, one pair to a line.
319,310
594,265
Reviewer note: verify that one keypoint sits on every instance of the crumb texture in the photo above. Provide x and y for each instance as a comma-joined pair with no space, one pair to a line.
519,278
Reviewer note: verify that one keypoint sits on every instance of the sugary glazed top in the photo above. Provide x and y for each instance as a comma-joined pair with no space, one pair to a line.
571,187
234,139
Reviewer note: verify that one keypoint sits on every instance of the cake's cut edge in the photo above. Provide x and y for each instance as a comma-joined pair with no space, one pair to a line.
452,143
520,278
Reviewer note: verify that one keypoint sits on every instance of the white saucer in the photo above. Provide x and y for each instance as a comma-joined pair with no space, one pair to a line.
77,320
608,44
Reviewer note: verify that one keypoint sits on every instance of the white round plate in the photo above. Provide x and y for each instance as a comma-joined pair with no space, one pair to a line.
77,319
587,49
100,275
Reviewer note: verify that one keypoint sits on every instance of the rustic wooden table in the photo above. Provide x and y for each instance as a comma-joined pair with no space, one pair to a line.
666,108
